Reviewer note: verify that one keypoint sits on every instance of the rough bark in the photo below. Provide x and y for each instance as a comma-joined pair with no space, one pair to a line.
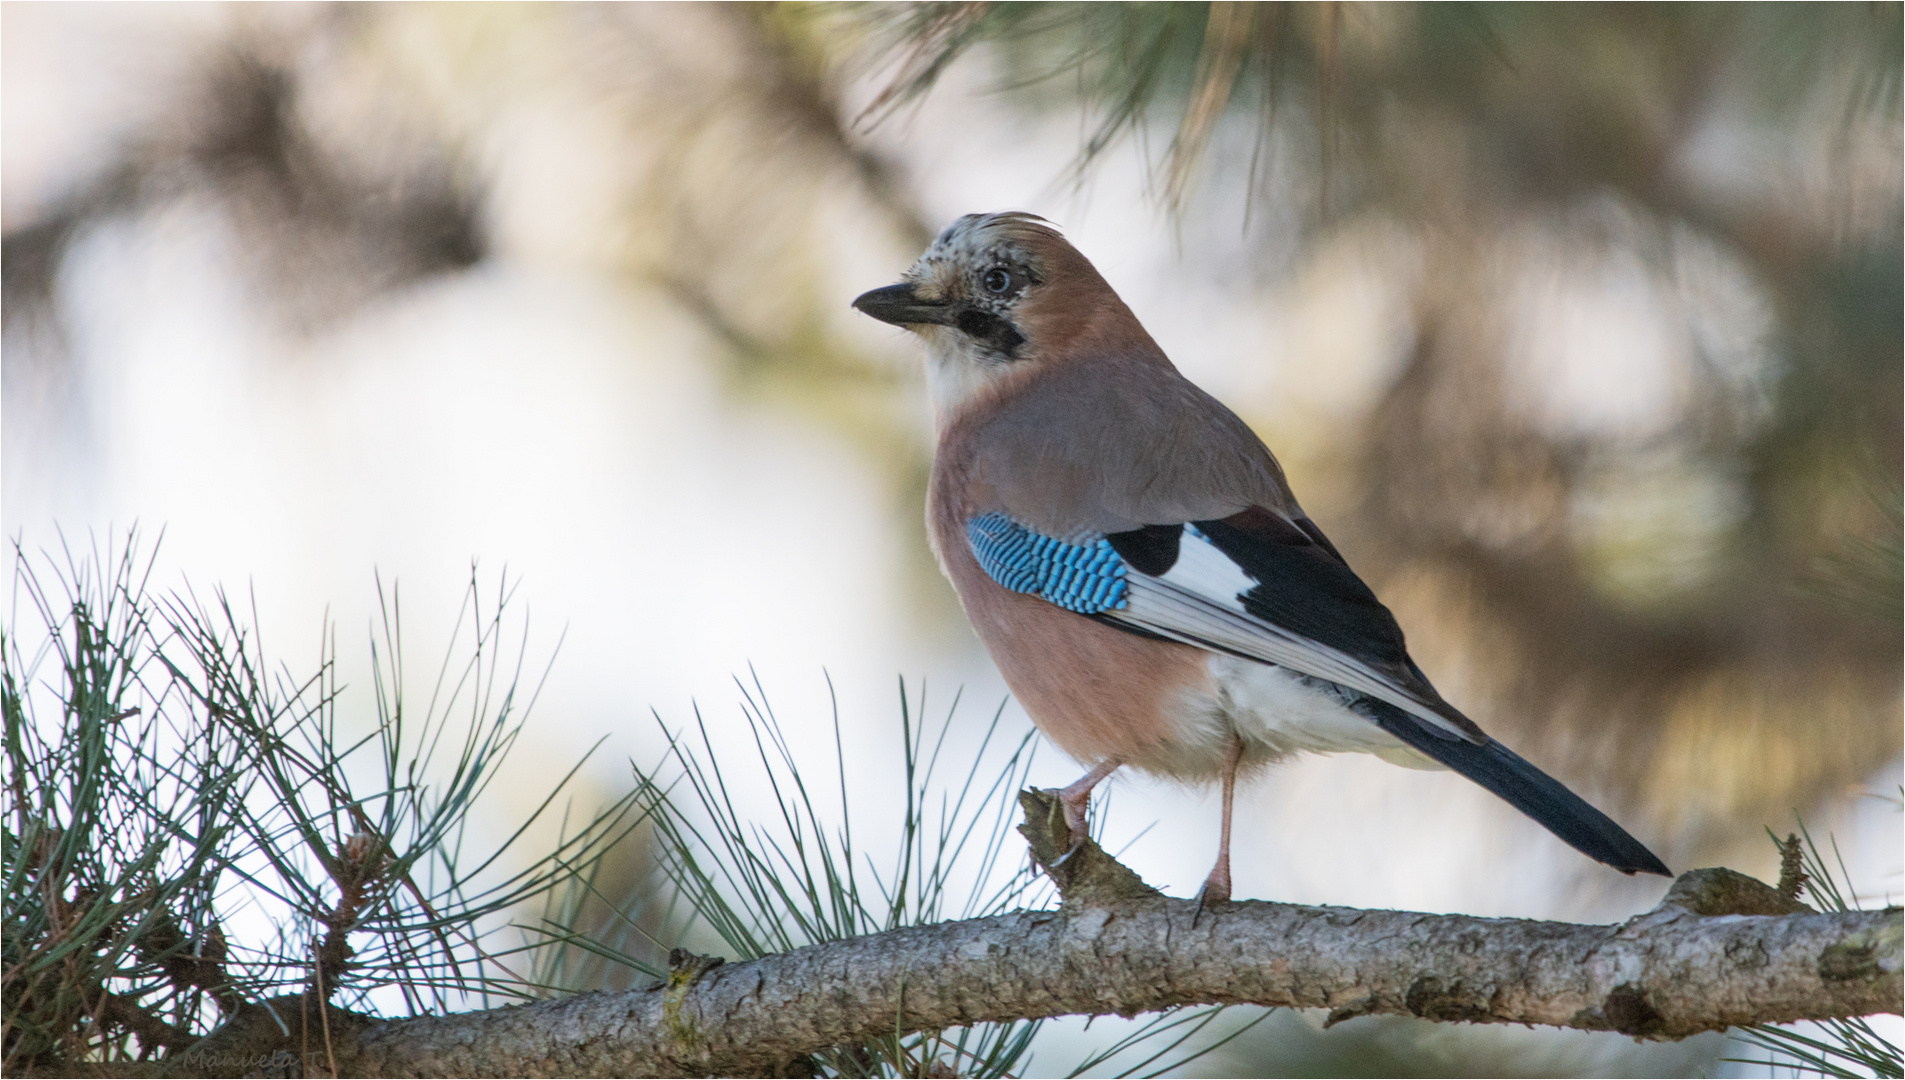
1667,974
1721,950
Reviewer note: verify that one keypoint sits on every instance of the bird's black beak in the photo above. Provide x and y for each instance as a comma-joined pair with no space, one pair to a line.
899,305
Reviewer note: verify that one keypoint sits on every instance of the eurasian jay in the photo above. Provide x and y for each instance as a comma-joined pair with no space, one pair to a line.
1134,561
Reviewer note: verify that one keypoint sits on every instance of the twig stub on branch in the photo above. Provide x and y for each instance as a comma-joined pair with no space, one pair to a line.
1081,869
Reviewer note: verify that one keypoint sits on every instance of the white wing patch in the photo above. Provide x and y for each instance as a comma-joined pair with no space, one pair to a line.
1198,602
1203,571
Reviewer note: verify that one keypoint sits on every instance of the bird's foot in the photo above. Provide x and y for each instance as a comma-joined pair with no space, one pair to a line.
1077,805
1216,890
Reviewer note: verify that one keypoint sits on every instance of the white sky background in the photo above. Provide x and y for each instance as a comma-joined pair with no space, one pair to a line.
538,415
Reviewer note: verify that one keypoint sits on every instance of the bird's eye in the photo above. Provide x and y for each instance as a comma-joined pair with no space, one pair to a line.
997,281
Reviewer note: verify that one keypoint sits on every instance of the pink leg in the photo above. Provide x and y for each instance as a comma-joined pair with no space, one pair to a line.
1077,798
1217,886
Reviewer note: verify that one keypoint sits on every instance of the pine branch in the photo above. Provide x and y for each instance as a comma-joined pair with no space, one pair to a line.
109,1008
1668,974
1721,950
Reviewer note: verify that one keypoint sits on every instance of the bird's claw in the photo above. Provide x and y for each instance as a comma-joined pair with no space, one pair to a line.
1213,892
1078,844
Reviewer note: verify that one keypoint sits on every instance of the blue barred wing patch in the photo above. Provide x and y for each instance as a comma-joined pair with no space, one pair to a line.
1086,578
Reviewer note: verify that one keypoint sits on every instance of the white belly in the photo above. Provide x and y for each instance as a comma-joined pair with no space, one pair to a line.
1277,713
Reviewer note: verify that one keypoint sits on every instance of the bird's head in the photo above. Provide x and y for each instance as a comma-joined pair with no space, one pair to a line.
994,296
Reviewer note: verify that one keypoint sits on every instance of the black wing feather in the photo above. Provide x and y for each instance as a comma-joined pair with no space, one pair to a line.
1307,587
1151,549
1528,790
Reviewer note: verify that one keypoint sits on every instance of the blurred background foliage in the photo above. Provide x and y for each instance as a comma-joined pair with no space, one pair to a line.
1579,327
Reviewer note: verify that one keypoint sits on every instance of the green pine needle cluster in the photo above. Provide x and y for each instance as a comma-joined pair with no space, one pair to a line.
191,831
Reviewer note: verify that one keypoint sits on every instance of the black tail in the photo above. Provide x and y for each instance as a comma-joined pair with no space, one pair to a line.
1528,790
